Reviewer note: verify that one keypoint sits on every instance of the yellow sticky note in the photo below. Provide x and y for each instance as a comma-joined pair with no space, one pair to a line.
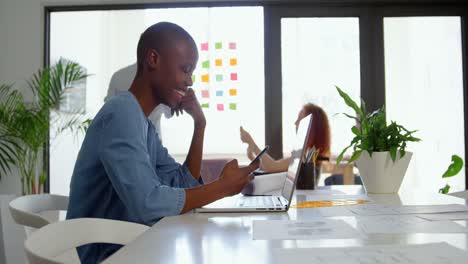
219,62
233,62
205,78
232,92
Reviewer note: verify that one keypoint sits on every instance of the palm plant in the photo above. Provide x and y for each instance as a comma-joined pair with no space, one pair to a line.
25,125
8,144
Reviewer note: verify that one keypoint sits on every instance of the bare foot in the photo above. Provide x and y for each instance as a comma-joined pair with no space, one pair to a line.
245,136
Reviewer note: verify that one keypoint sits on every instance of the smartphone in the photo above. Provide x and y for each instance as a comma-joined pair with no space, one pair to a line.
259,155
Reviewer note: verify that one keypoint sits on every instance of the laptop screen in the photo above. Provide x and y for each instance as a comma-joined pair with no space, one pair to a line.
296,155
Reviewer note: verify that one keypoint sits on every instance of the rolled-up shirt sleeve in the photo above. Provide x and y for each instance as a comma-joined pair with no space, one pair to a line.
123,150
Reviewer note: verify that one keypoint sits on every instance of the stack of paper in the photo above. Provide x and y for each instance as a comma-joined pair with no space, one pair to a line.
405,224
312,229
389,254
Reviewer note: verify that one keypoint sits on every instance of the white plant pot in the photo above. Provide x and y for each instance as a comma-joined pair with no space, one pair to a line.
380,174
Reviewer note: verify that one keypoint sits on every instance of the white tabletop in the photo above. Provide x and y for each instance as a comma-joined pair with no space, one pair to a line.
227,237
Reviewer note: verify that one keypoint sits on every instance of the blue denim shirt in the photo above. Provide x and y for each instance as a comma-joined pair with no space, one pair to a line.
123,172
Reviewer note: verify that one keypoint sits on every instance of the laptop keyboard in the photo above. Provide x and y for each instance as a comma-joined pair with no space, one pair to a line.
259,201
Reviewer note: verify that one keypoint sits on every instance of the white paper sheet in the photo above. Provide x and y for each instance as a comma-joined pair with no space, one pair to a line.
321,197
435,253
313,229
430,209
333,211
405,224
378,209
372,209
445,216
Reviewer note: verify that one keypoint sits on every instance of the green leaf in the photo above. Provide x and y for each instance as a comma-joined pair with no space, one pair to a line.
355,130
402,153
445,190
393,151
43,177
355,155
454,168
350,116
350,102
363,106
340,157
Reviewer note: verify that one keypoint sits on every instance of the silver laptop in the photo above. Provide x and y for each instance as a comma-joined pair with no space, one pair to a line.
266,203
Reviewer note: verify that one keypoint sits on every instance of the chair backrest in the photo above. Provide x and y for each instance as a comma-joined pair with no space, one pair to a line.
49,242
25,209
463,194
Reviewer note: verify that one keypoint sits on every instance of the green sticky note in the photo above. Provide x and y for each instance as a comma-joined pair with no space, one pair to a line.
193,78
219,77
207,105
232,106
206,64
218,45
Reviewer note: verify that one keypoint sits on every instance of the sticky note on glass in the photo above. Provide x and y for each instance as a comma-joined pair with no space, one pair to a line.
219,62
219,93
233,106
206,64
205,78
204,46
232,45
218,45
220,107
233,62
206,105
219,77
193,78
234,76
232,92
205,94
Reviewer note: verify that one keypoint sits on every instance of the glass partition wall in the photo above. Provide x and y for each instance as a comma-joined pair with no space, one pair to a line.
259,64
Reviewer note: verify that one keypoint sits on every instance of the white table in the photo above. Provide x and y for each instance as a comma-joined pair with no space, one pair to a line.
227,237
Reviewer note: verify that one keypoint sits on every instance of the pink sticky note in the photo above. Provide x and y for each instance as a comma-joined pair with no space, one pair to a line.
234,76
232,45
205,94
220,107
204,46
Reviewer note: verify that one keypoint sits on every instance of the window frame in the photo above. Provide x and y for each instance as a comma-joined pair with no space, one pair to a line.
371,38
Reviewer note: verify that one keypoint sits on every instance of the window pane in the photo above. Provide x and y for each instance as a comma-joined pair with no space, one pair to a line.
424,91
229,79
232,60
317,54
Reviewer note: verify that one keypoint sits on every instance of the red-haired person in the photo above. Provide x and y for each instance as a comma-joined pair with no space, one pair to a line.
319,137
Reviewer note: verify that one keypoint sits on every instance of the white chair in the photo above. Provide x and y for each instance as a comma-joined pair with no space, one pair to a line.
46,244
26,210
463,194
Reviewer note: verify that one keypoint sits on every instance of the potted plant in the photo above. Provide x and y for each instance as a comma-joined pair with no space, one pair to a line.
379,149
24,126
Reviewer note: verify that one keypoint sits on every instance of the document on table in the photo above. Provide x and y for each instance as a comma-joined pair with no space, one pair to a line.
435,253
379,209
431,209
405,224
332,211
445,216
313,229
372,209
